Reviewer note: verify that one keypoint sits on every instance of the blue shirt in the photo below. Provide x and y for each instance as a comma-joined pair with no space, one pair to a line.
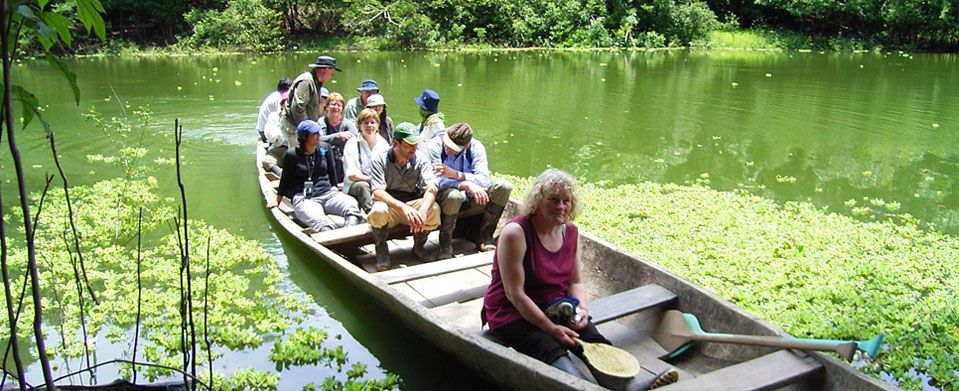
470,161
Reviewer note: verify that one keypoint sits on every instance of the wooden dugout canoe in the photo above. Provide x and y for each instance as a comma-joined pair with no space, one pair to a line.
441,300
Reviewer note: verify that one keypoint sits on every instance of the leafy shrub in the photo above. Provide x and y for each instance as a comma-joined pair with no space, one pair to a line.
244,25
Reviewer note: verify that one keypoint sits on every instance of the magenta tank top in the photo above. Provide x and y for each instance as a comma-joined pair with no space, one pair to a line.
547,275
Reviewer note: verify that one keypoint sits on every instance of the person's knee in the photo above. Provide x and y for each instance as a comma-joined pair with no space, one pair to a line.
432,217
452,201
379,215
499,192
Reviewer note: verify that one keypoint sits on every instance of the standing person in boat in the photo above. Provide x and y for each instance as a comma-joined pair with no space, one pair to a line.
357,103
302,104
405,192
378,103
358,156
271,104
460,164
537,265
272,132
432,123
309,181
338,130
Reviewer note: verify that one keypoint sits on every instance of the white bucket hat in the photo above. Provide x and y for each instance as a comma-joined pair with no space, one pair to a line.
375,100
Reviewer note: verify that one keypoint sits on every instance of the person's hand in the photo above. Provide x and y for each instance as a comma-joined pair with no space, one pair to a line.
564,335
583,318
442,170
271,204
345,136
478,192
414,218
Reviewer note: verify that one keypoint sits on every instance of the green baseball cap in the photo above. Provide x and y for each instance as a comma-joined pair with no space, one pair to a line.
407,132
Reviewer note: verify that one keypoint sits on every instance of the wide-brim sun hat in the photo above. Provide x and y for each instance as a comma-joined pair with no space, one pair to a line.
429,100
324,61
368,85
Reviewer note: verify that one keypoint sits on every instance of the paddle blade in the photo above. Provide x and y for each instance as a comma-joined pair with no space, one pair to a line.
610,360
673,333
871,347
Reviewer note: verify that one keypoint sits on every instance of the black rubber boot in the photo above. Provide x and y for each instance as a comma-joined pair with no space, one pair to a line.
447,225
382,249
487,226
419,251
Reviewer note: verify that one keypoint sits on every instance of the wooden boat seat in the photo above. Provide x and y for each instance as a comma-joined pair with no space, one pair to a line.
435,268
768,372
629,302
361,234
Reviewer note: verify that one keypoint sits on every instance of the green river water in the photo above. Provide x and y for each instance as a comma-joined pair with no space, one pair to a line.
822,128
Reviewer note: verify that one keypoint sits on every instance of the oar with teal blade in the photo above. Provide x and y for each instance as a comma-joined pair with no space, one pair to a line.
677,331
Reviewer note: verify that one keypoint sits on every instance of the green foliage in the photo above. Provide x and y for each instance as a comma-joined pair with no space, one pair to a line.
814,273
246,25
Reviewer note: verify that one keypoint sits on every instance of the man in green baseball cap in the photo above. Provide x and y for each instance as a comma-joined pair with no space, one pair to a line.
404,188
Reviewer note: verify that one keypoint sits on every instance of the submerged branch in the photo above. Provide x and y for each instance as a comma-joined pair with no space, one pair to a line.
136,333
178,131
11,317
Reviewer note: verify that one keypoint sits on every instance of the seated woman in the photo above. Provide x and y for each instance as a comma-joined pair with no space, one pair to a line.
308,180
537,263
378,103
337,129
358,155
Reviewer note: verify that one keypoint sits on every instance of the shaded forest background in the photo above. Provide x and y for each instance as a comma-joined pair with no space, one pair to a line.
272,25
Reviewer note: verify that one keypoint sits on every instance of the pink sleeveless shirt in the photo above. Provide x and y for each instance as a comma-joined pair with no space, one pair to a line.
547,275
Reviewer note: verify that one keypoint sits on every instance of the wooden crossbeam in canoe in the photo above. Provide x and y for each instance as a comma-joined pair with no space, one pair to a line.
629,302
768,372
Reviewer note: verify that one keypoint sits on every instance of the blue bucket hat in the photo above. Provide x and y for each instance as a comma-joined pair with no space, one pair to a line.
429,100
368,85
308,127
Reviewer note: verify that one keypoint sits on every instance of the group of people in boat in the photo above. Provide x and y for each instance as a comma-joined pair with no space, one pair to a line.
346,158
423,177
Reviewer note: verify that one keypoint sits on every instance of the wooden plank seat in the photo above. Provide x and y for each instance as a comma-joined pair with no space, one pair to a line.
629,302
362,234
435,268
768,372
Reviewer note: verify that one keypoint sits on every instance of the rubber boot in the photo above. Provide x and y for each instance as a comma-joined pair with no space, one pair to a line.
668,376
488,226
419,251
382,249
276,170
447,225
565,364
353,219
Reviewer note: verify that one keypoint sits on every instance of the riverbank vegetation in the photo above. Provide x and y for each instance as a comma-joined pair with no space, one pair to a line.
278,25
810,271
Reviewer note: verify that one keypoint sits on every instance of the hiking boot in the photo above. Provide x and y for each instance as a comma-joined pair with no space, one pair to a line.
488,226
382,249
419,250
447,224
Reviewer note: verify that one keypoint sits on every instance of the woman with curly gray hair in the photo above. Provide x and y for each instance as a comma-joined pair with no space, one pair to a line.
536,269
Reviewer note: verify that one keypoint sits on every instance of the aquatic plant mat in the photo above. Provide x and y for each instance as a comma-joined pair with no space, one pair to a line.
250,309
815,273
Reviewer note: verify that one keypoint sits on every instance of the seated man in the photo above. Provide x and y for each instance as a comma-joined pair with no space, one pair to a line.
405,192
271,105
356,104
459,162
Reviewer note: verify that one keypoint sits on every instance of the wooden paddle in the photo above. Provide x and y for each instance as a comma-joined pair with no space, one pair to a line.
609,359
677,331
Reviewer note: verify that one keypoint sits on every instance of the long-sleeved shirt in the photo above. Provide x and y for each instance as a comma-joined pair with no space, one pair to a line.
298,167
358,157
304,103
270,105
470,161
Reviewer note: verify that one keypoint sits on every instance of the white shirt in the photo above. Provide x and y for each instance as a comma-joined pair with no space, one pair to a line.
272,130
270,105
356,160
